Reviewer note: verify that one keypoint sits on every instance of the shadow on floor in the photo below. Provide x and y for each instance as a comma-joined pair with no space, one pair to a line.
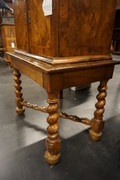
76,97
81,158
21,122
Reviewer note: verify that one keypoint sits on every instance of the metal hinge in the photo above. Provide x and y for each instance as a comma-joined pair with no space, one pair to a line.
29,17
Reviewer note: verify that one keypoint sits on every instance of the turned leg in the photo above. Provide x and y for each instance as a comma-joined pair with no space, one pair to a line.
19,107
97,122
53,142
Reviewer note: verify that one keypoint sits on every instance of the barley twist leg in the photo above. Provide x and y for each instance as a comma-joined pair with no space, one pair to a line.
97,122
53,142
19,107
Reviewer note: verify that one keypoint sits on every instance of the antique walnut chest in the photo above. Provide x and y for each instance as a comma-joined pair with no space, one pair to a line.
68,47
79,28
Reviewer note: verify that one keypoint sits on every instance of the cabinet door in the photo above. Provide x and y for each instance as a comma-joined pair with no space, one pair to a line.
85,27
40,39
21,24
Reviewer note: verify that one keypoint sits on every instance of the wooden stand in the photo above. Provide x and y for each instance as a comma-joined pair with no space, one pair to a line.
53,79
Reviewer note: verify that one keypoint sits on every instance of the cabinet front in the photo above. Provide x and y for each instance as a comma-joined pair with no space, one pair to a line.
39,30
21,24
85,27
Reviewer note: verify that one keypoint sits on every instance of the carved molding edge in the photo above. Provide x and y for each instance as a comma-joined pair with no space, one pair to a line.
62,114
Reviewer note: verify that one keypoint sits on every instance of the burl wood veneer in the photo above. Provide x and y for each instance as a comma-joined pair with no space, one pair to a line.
69,48
79,29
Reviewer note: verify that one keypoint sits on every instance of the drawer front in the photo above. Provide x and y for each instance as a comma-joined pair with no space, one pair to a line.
10,43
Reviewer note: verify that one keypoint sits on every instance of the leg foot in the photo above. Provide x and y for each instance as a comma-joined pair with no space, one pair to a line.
97,123
95,136
20,111
52,159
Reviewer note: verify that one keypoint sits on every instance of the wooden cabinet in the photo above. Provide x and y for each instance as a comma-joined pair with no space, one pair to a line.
8,38
75,29
78,33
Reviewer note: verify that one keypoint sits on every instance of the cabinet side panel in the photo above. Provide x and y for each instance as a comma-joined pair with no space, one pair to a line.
21,24
85,27
41,42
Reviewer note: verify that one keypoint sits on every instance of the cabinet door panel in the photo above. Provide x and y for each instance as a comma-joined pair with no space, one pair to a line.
39,30
21,24
85,27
